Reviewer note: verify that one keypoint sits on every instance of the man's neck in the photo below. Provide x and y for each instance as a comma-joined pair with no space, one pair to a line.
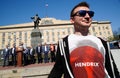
82,32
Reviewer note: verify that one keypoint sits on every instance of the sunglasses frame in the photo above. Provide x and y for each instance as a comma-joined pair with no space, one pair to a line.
82,13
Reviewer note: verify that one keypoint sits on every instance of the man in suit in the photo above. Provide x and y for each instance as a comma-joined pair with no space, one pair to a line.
39,53
46,51
13,53
6,53
25,56
31,53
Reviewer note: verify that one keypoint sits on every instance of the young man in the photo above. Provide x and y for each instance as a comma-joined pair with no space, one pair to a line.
81,55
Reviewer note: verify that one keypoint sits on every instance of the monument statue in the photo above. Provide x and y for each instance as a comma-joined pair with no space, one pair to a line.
36,36
36,21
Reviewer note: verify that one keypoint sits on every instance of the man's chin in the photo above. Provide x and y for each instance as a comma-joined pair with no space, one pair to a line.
86,24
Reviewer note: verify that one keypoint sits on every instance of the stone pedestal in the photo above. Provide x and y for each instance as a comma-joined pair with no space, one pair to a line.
36,37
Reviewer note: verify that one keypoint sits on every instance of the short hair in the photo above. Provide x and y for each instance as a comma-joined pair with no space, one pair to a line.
78,5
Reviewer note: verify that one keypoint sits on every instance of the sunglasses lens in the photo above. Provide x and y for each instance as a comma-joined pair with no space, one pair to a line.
91,13
82,13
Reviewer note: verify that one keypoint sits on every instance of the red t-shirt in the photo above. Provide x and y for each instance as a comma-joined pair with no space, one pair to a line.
86,56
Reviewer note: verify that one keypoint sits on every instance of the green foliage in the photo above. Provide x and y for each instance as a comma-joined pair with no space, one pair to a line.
116,34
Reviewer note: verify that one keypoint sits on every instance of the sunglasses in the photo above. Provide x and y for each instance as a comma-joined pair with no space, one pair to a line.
82,13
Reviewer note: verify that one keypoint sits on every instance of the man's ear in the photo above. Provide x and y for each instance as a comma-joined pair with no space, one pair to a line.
72,20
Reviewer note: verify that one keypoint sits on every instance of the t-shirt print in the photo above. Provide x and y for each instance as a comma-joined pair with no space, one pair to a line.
86,60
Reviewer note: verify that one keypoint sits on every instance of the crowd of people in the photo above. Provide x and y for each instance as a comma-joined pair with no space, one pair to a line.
40,54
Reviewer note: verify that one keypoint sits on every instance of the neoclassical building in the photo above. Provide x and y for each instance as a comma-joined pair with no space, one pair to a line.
51,29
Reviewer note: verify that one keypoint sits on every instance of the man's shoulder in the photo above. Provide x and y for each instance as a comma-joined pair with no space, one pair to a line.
102,39
65,37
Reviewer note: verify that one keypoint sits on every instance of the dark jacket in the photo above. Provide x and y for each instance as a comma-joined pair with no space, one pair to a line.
40,49
33,51
62,64
6,53
14,51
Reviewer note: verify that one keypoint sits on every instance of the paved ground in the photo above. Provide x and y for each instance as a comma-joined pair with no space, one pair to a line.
29,71
40,70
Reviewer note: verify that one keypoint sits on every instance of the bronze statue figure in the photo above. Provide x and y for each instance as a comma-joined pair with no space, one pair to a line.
36,21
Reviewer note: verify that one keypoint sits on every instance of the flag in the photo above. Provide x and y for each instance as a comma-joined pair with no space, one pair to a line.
46,5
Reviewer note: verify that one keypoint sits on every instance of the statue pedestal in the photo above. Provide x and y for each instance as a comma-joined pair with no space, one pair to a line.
19,51
36,37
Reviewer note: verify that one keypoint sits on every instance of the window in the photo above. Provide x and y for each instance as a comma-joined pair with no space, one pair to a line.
53,35
103,27
107,28
68,30
93,28
100,33
99,28
47,33
109,32
3,40
20,36
25,37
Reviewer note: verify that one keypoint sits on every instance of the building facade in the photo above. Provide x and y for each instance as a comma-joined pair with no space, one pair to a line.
51,29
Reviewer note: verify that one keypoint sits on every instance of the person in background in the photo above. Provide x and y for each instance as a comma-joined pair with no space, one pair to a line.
119,44
14,54
46,51
25,56
52,52
81,55
6,53
39,53
32,53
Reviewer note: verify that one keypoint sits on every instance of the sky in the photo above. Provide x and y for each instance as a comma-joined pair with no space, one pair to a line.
21,11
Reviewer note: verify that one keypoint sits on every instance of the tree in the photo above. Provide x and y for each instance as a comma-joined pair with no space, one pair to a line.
116,34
